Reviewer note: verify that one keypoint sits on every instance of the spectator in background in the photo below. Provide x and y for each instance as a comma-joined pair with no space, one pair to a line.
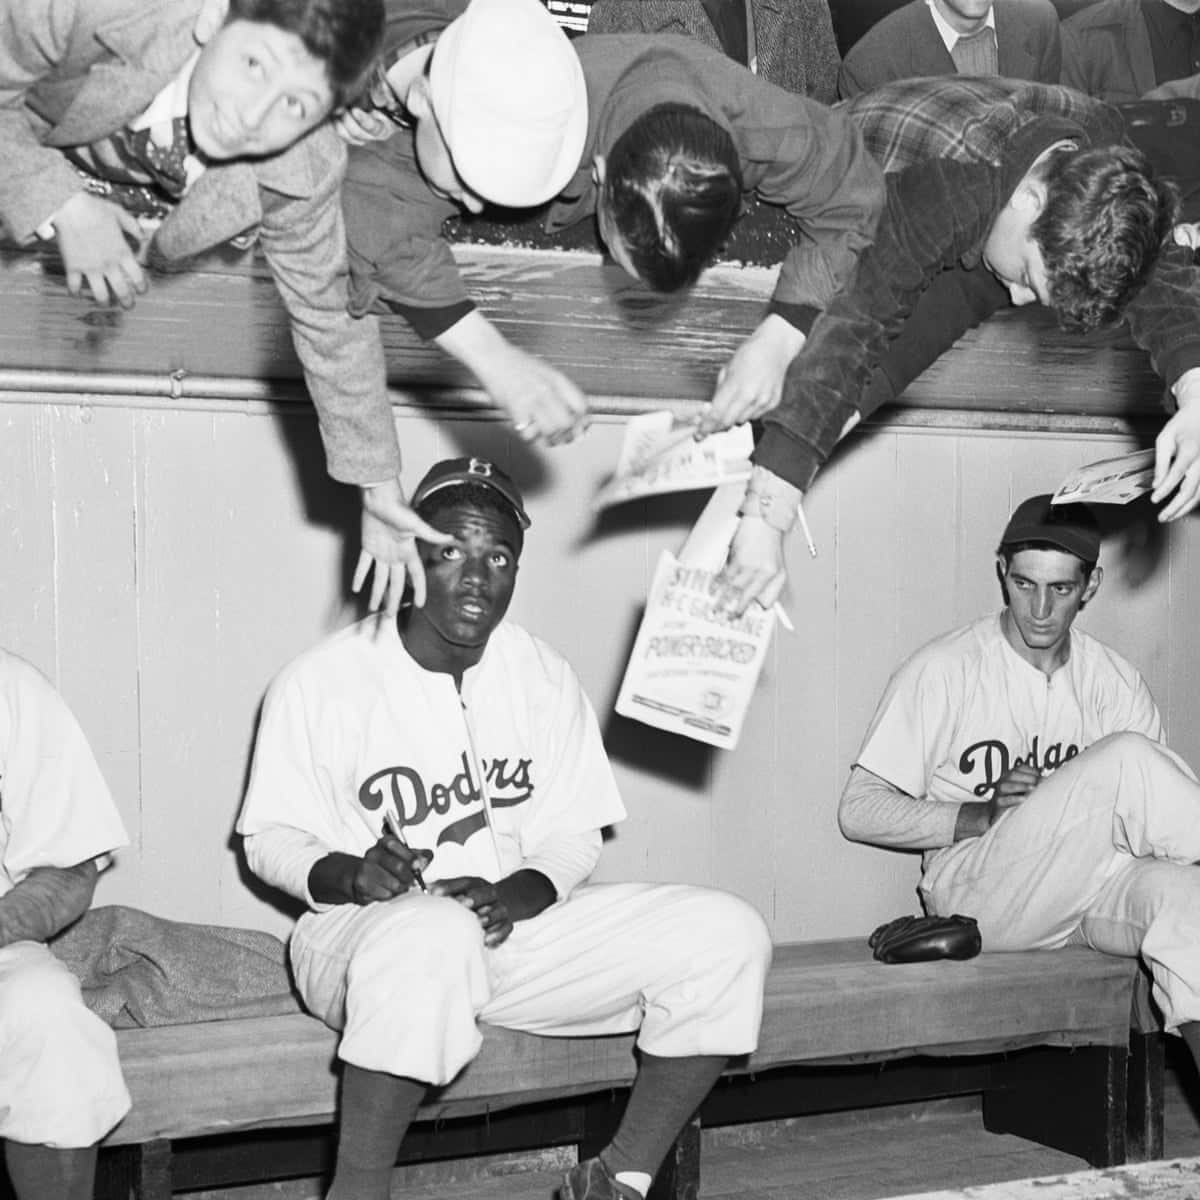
1121,49
791,45
1015,38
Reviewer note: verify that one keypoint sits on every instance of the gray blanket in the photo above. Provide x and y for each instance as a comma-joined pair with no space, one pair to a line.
137,969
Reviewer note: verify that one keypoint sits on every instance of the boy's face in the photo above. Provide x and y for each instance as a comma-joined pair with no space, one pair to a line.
1010,252
256,89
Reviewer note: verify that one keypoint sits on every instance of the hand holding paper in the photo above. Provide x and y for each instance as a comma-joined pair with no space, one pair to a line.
660,454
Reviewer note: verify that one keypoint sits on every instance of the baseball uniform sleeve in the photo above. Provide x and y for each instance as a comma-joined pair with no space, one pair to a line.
58,811
907,739
290,817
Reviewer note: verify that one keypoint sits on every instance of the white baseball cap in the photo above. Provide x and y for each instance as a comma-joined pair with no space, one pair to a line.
510,100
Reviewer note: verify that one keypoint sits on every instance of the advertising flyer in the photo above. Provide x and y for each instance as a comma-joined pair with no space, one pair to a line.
694,668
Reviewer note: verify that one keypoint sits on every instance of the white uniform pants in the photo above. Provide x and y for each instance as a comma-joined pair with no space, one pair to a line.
1102,853
60,1081
405,980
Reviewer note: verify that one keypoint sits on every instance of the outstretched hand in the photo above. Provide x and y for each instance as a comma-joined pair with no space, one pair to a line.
390,530
97,240
754,571
542,403
1177,453
751,383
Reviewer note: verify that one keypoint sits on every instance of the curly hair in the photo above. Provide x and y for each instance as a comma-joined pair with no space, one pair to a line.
673,189
346,35
1100,230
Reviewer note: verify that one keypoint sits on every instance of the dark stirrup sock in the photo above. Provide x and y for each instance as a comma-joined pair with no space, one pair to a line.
375,1113
46,1173
666,1092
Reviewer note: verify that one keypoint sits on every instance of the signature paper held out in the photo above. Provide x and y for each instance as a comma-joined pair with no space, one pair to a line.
694,667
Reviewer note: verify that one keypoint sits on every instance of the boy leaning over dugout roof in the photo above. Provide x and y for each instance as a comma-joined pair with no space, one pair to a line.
160,129
650,101
1071,216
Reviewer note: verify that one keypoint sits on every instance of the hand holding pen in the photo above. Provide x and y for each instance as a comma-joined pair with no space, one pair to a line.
394,830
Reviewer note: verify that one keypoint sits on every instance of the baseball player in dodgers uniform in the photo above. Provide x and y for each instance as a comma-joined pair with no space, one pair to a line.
1027,760
474,740
61,1089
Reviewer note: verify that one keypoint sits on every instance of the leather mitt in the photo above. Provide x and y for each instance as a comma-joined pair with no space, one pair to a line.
924,939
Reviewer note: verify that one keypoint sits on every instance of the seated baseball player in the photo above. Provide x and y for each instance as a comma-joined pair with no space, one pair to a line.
1057,219
1026,760
164,128
61,1088
657,136
434,789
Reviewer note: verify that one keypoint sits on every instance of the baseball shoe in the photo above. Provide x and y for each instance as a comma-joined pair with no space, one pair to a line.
592,1180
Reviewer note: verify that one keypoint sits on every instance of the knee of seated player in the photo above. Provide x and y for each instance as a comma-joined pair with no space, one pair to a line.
40,998
730,931
427,939
1121,747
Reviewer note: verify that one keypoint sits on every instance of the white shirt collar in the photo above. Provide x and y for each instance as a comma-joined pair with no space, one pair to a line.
950,35
171,102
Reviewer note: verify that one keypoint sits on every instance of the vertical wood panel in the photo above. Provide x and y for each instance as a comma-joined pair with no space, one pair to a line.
97,604
28,613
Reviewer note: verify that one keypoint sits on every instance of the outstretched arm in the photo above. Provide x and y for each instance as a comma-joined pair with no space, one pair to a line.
542,403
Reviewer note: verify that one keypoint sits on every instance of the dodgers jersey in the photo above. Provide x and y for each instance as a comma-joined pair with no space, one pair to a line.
966,708
481,779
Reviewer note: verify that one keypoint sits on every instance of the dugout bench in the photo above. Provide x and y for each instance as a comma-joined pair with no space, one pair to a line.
1045,1037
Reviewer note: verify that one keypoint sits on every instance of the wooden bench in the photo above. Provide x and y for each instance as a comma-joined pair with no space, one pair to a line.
1044,1036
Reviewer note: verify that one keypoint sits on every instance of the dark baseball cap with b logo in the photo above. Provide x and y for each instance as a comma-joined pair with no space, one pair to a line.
456,472
1069,527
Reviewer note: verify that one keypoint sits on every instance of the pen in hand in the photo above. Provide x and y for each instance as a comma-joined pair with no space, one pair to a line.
393,827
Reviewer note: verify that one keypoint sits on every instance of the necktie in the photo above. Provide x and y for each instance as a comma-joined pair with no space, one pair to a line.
976,55
144,174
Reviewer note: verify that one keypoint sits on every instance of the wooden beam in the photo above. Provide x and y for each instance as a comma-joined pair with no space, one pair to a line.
612,336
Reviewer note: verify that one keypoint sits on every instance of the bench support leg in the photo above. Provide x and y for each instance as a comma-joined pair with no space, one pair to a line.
1147,1063
152,1179
1073,1101
679,1176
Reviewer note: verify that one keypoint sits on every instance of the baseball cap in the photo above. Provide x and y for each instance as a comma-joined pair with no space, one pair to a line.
1070,527
452,472
510,101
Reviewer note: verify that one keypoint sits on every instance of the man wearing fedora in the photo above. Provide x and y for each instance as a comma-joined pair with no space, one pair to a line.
1026,760
433,788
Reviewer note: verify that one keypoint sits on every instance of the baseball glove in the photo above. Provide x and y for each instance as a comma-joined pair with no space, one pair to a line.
923,939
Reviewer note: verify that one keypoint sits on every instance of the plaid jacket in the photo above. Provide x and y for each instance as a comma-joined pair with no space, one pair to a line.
922,284
967,118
